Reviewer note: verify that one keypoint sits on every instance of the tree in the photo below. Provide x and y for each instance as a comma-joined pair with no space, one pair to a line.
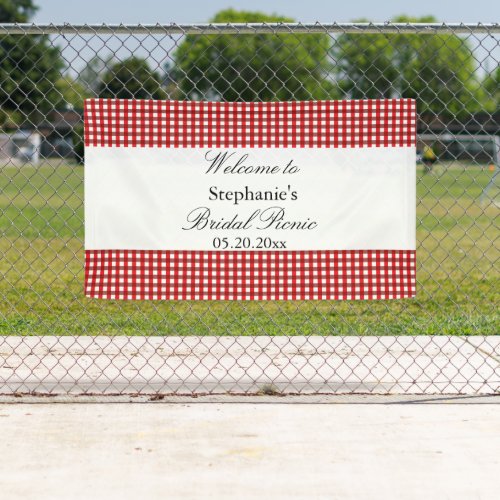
437,70
29,66
131,79
364,65
253,67
491,87
71,93
91,76
16,11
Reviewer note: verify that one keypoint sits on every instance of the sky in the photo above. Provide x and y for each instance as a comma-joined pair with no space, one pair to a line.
198,11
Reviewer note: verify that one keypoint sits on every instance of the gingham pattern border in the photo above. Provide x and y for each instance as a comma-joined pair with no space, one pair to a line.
184,124
250,275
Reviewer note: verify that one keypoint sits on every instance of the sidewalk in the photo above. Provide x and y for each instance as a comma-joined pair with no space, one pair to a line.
238,451
306,365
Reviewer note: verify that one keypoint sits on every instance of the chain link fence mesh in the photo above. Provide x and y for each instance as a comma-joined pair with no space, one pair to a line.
54,340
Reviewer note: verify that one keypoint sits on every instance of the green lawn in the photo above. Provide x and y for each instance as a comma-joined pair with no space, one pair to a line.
41,269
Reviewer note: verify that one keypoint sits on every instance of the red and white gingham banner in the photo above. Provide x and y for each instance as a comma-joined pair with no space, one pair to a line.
190,124
130,273
266,275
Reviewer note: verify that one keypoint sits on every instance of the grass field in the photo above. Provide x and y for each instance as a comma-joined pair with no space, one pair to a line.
41,269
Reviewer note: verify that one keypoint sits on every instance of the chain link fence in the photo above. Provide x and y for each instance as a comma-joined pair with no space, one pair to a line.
53,340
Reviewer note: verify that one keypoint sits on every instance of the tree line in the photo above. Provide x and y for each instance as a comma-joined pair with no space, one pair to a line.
440,71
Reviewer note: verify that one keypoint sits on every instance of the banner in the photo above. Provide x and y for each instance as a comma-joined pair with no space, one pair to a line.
250,201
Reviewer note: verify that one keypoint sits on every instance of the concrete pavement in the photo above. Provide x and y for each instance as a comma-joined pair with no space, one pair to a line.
306,365
306,451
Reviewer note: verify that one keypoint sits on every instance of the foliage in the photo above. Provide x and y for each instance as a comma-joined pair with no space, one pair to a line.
438,70
71,93
28,67
16,11
131,79
253,67
364,65
491,86
91,76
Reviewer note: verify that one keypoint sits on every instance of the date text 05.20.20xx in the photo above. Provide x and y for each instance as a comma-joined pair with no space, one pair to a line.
246,243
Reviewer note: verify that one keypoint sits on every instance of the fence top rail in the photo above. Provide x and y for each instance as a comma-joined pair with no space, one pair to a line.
246,28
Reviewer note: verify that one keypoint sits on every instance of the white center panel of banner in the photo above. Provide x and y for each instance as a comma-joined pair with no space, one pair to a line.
250,198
